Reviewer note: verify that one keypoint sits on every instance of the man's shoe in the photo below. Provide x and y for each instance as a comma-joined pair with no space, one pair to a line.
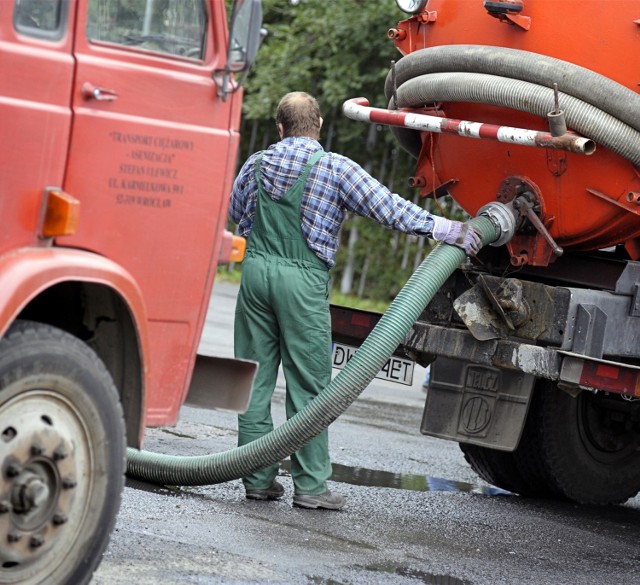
326,501
274,492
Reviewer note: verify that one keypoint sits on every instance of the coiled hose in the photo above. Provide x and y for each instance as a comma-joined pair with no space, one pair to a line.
331,402
594,105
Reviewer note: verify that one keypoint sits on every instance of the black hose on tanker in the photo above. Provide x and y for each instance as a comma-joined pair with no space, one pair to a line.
594,105
496,222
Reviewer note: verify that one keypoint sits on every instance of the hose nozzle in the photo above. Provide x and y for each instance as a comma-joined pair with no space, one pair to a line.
503,217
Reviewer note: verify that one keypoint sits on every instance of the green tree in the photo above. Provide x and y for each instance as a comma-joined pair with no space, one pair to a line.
337,50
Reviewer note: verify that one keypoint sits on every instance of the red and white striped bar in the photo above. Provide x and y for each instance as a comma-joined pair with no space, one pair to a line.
358,109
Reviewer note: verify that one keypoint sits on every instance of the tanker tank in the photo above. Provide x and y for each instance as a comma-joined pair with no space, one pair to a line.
497,63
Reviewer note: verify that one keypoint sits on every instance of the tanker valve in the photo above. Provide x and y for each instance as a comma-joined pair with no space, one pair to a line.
397,34
524,205
633,197
557,123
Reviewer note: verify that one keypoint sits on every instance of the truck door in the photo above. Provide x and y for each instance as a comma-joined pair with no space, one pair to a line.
151,159
36,73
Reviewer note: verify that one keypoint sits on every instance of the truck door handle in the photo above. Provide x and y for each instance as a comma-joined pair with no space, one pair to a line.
91,92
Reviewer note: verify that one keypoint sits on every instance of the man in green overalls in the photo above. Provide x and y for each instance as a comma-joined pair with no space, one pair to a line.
290,201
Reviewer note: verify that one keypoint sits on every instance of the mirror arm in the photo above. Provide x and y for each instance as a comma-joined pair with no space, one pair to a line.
226,84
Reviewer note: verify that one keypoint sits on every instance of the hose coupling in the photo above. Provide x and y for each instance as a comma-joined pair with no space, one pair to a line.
503,217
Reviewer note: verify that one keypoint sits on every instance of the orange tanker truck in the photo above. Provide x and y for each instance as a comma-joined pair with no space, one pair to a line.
534,345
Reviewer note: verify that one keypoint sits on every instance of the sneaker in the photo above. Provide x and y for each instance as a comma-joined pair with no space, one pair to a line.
326,501
274,492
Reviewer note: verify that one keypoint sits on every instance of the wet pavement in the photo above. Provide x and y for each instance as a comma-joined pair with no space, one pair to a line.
416,512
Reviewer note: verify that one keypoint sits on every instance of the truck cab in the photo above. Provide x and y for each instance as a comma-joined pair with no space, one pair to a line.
119,141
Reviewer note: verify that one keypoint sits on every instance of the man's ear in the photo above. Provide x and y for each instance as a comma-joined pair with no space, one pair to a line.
321,120
281,131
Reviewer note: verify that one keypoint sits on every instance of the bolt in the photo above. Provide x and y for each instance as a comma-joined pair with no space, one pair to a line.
59,518
36,540
68,483
5,507
34,493
13,469
14,536
60,453
37,449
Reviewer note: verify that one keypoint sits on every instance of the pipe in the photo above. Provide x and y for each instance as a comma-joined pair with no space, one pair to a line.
357,109
524,96
583,84
333,400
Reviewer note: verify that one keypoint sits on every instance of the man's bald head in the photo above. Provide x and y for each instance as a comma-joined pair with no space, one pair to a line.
298,114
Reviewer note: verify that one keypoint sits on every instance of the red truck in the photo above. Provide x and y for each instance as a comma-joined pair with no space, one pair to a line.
534,345
119,141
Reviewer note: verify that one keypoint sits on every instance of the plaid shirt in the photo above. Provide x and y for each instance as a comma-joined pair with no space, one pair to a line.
335,186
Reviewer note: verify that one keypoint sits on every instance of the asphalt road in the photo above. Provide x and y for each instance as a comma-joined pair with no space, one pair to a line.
416,512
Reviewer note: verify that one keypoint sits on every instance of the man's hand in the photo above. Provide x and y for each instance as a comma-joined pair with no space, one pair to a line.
456,233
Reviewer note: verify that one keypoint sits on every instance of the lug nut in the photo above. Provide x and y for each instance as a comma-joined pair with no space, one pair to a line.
14,536
60,453
37,449
69,483
59,519
13,469
36,541
5,507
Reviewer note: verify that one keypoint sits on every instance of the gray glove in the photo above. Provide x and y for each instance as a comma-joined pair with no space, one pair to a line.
456,233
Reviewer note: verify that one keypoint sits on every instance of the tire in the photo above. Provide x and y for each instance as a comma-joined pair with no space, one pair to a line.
499,468
585,449
591,445
521,471
63,457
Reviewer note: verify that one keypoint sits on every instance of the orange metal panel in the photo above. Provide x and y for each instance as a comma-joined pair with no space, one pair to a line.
35,89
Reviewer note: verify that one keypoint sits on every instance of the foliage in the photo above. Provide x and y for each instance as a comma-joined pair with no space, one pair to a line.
337,50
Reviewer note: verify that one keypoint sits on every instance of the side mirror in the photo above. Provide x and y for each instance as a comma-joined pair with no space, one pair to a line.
245,36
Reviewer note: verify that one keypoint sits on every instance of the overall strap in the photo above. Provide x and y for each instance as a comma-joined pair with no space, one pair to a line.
315,157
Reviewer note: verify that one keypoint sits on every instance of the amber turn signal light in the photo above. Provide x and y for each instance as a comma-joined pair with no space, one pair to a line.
238,247
61,215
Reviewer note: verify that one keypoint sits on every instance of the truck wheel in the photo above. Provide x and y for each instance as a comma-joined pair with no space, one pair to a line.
498,468
590,445
522,471
62,452
585,449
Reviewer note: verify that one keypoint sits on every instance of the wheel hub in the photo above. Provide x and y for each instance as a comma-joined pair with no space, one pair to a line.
29,493
38,485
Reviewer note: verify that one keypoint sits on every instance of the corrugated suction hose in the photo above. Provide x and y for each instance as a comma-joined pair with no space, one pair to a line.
332,401
594,105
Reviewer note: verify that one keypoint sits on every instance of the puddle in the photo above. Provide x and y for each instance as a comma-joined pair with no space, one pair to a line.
364,477
422,576
404,481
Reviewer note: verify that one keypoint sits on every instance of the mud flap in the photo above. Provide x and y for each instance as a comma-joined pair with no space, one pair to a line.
471,403
221,383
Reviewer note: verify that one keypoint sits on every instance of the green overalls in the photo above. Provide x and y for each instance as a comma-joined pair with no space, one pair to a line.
282,314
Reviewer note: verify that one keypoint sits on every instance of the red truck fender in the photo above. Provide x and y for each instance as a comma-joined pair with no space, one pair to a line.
29,272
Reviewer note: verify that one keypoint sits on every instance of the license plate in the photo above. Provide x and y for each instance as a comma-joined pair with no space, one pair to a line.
396,369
